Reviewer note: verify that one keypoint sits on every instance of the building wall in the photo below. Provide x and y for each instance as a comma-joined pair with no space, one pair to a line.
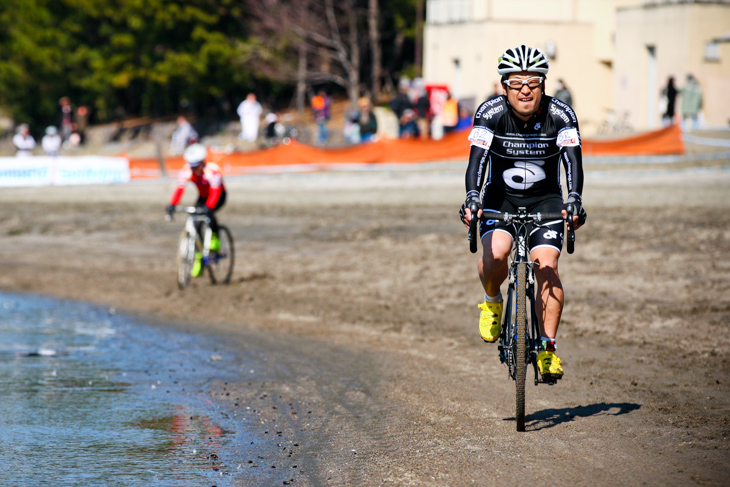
477,32
678,33
601,50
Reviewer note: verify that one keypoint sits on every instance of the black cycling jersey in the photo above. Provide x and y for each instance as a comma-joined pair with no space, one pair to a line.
522,156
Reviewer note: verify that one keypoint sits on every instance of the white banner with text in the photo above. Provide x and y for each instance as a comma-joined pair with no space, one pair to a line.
47,171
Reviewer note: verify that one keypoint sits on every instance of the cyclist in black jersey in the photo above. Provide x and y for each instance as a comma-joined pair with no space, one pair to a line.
518,143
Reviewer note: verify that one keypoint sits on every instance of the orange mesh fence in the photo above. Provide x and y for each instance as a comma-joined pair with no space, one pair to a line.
659,142
453,146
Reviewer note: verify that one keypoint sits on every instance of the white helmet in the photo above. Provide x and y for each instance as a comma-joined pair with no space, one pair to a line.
523,58
51,130
195,154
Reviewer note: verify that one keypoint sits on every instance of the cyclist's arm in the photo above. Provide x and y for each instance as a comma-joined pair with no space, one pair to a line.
215,182
478,163
480,138
213,195
569,142
573,164
182,179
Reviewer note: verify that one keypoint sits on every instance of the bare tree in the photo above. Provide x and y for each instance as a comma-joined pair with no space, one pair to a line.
376,55
309,41
419,37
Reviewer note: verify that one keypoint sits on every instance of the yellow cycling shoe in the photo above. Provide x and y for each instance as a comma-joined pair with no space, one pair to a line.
197,265
490,321
215,243
549,366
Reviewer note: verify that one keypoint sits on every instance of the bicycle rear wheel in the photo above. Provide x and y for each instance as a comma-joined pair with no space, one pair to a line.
220,262
521,352
185,258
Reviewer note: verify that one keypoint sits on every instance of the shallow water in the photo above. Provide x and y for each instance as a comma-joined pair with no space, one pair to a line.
91,397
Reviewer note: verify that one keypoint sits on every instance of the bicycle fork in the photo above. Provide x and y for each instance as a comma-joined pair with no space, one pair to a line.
206,244
508,340
207,235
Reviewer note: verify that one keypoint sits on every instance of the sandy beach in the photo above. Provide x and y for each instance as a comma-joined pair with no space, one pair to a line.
358,291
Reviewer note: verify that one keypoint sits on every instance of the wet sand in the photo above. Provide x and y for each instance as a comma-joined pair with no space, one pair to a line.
358,292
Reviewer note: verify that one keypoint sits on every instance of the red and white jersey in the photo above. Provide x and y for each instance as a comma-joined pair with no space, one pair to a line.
209,183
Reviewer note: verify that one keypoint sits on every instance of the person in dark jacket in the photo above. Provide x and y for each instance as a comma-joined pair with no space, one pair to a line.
670,94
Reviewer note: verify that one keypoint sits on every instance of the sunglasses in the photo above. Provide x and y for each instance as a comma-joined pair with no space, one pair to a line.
517,84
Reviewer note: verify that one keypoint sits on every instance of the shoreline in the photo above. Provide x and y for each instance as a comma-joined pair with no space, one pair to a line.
360,291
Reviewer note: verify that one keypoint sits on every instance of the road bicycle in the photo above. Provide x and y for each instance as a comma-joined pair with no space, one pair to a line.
519,340
196,237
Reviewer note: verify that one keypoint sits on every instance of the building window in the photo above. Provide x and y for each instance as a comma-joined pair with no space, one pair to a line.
448,11
712,52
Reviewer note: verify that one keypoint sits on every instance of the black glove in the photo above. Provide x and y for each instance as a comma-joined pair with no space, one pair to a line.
170,209
471,202
577,209
206,211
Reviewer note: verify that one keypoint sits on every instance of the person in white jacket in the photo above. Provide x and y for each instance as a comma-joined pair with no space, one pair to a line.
23,141
250,113
51,142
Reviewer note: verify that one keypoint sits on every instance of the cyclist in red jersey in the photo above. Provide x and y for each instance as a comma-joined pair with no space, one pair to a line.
212,192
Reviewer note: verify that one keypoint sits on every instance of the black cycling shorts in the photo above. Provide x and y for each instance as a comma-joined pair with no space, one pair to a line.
548,234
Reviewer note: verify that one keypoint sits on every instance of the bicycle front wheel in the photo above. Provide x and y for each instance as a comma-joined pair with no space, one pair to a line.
521,352
185,259
220,261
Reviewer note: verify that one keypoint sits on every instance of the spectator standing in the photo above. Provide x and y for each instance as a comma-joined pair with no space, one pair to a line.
691,101
496,92
271,119
366,120
23,141
669,94
183,136
465,120
321,109
450,114
408,125
563,94
423,110
401,102
51,142
65,118
82,122
351,130
250,112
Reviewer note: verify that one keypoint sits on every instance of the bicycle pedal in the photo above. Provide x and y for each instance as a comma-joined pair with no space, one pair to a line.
550,379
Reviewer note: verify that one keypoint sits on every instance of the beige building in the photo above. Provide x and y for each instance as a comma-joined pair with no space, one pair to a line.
661,39
598,47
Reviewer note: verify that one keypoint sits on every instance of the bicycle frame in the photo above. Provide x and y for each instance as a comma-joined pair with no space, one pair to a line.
519,340
192,229
520,255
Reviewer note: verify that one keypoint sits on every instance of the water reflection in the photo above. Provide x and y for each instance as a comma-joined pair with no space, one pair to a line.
91,398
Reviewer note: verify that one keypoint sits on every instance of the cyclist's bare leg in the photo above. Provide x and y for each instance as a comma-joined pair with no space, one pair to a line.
549,299
493,266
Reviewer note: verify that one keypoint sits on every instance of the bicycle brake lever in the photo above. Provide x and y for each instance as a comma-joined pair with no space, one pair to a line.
570,210
473,228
